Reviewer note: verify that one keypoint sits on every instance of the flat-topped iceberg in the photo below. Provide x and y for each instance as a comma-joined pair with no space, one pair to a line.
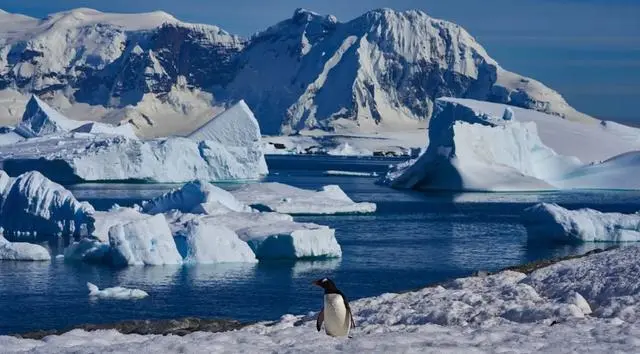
32,204
22,251
482,146
208,242
287,199
270,235
197,197
143,242
87,157
552,222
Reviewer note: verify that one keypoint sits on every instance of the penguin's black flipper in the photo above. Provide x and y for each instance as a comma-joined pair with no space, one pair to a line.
320,319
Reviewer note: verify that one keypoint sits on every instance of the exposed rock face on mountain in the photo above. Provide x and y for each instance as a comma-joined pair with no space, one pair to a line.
380,70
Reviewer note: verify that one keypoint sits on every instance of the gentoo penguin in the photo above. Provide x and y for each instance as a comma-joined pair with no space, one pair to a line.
336,312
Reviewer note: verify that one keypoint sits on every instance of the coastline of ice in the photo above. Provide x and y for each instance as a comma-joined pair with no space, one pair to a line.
580,305
287,199
22,251
552,222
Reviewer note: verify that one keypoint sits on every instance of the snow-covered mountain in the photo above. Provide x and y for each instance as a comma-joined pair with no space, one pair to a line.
379,71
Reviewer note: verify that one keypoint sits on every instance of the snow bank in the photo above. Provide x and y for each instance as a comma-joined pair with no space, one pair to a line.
33,204
143,242
553,222
503,312
211,243
10,137
287,199
117,293
86,157
473,147
39,120
198,197
22,251
618,172
272,235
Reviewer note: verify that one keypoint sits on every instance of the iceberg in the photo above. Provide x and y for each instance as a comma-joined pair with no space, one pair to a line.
80,157
277,236
552,222
618,172
197,197
104,220
32,204
22,251
345,149
39,119
211,243
126,130
88,249
143,242
117,293
287,199
477,146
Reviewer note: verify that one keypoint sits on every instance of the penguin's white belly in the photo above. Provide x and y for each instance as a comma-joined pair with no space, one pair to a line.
337,321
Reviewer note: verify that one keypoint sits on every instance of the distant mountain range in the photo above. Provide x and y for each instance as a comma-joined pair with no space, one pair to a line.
382,70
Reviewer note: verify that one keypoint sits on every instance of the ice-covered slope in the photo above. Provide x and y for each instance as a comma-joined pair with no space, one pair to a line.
379,71
39,120
482,146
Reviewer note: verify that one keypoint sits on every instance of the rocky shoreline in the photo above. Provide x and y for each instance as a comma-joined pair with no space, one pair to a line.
187,325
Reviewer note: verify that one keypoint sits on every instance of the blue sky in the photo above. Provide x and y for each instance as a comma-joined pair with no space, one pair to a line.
588,50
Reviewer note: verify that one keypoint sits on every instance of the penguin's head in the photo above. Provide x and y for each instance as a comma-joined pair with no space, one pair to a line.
326,283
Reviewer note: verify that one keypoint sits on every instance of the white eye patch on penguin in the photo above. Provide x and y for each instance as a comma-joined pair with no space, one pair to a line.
336,312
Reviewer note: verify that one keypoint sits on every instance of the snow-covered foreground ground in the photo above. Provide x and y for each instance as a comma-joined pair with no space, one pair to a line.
588,304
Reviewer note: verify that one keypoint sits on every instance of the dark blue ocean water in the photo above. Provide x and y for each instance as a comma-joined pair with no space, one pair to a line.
414,239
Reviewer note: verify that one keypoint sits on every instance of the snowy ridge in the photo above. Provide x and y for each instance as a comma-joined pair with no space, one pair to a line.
380,71
581,305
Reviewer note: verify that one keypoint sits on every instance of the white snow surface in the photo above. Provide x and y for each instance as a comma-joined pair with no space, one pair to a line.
22,251
287,199
98,158
32,204
346,149
208,242
551,222
125,129
104,220
197,197
117,293
505,312
143,242
472,147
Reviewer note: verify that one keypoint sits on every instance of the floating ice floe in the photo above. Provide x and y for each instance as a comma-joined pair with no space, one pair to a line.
350,173
32,204
117,293
503,312
197,197
287,199
483,146
208,242
22,251
143,242
271,235
553,222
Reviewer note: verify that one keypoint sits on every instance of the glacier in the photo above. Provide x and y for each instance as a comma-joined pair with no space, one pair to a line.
551,222
287,199
473,147
22,251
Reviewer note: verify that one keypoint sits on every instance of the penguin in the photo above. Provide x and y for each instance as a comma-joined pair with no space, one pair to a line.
336,312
